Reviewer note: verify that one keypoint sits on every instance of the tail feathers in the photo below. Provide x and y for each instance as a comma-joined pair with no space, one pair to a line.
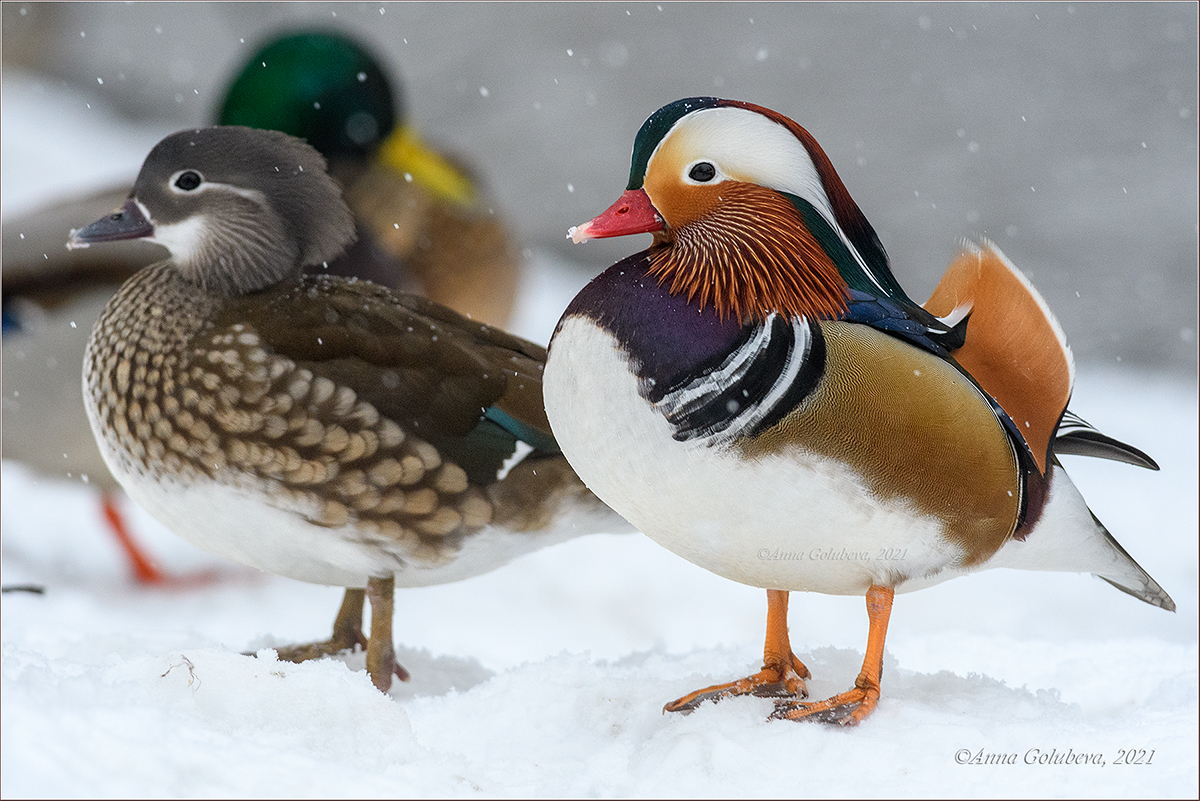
1132,579
1077,437
1068,538
1153,594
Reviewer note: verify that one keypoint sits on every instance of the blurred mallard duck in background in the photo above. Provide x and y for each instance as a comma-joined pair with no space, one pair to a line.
423,209
423,225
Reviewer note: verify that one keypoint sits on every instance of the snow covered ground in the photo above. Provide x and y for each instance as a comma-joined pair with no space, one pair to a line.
547,677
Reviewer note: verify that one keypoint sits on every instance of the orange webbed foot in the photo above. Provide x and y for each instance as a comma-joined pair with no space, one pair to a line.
782,675
778,679
852,707
848,709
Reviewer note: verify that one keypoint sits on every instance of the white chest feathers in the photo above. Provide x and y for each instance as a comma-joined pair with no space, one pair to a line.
792,520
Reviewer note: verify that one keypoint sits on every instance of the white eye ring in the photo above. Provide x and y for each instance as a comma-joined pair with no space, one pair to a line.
186,181
717,177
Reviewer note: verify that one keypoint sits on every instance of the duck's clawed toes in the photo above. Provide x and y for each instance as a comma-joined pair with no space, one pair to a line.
347,633
348,636
777,680
847,709
852,707
382,666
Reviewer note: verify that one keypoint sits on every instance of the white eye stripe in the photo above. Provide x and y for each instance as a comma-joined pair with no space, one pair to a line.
249,194
752,148
214,186
756,149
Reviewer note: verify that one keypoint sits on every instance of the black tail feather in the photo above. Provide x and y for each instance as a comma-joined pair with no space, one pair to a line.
1077,437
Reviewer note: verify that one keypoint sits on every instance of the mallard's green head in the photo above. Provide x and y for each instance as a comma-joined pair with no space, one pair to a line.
329,91
319,86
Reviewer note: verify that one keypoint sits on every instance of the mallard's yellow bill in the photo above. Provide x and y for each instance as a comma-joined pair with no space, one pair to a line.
404,151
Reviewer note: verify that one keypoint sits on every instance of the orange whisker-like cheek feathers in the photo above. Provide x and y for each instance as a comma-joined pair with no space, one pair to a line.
750,256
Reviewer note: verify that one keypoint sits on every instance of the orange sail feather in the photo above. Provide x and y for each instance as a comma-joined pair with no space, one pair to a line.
1014,346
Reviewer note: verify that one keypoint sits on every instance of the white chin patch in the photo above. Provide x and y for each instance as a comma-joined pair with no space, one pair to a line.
184,239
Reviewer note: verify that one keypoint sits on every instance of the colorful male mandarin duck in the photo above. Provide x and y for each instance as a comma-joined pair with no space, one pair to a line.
433,235
756,382
322,428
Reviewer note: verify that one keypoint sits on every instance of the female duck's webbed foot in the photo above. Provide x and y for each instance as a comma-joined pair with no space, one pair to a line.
852,707
347,633
782,675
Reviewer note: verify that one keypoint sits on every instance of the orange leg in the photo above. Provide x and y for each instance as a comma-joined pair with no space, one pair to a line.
852,707
782,675
144,569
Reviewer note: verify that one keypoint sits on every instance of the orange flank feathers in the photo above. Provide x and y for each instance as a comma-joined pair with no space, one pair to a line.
1014,347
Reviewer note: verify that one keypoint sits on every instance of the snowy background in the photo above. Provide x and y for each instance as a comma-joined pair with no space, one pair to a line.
547,677
1065,132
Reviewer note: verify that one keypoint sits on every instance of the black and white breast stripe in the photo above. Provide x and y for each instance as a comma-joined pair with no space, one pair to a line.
769,369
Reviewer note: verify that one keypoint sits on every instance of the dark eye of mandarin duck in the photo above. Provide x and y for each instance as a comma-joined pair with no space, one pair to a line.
702,172
188,181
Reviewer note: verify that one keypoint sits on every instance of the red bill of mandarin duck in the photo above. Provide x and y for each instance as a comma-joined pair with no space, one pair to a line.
757,381
318,427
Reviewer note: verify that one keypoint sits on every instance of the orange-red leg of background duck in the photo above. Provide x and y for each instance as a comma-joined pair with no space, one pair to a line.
851,707
782,675
144,570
